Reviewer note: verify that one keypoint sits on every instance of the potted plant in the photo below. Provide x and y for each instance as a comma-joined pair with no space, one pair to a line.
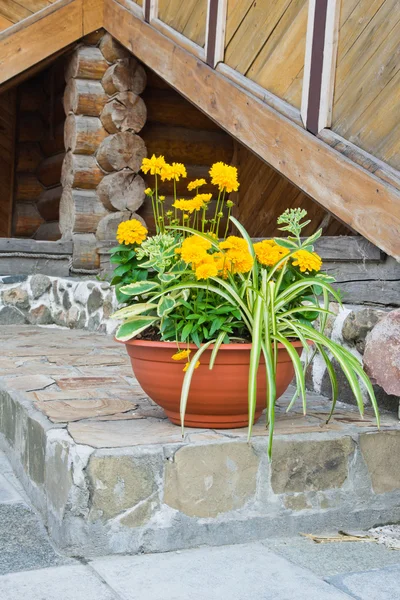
215,324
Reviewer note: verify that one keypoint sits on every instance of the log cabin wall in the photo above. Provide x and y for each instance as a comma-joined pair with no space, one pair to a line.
39,155
8,110
101,185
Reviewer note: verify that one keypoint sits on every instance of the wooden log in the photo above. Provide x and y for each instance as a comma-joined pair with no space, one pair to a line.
124,112
84,97
54,144
121,150
112,50
26,219
126,75
107,227
31,127
80,171
80,211
48,231
49,203
29,156
28,187
83,135
49,170
188,145
84,254
122,191
86,62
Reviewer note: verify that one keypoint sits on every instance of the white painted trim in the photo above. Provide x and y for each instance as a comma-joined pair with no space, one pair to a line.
329,64
307,61
153,9
179,39
219,50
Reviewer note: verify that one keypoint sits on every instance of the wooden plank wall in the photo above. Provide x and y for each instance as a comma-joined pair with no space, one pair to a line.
8,107
14,11
264,194
187,17
266,42
367,87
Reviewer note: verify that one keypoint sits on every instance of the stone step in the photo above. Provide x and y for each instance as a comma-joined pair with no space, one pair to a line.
110,474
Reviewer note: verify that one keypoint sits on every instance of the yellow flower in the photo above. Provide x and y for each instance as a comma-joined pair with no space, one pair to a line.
153,164
189,205
185,368
206,268
194,249
161,198
202,199
181,355
131,232
223,264
148,192
268,252
224,176
307,261
196,184
234,242
174,171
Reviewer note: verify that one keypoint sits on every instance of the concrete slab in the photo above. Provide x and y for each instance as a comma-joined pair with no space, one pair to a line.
24,543
8,494
242,572
333,558
62,583
379,584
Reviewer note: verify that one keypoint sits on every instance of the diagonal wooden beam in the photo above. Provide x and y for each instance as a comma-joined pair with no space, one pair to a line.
353,194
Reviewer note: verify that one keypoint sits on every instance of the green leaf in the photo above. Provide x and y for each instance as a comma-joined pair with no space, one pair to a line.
138,288
133,326
186,331
122,269
167,277
133,310
120,248
165,306
285,243
313,238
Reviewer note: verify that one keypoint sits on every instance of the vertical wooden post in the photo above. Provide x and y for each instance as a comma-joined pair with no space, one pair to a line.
320,64
150,9
215,32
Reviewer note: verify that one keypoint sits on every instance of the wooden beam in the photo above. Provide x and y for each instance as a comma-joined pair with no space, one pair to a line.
215,32
93,15
150,10
320,63
39,36
351,193
34,247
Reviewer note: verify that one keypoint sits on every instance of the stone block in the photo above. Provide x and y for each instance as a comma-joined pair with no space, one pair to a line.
9,315
122,482
34,453
39,285
58,475
16,297
41,315
297,502
205,481
95,300
381,452
66,302
382,353
358,324
310,465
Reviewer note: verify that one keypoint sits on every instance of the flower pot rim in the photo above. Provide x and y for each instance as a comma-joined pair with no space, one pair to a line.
183,345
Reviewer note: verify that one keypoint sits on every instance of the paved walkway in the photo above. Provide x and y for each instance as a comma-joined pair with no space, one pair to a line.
276,569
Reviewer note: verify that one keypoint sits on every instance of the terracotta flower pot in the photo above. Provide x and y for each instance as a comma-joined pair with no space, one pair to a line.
217,398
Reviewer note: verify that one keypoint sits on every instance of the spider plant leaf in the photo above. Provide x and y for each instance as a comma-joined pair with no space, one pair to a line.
332,377
188,379
217,346
298,368
256,340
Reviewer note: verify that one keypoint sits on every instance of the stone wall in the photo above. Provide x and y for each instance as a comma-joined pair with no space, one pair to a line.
353,327
72,303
